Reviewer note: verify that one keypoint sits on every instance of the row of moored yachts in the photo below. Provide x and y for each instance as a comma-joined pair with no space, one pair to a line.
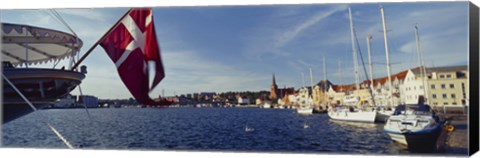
416,126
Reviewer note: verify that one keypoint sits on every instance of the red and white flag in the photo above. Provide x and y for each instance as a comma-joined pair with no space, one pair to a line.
131,45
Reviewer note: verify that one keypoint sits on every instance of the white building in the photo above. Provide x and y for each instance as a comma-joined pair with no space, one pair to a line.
412,87
243,100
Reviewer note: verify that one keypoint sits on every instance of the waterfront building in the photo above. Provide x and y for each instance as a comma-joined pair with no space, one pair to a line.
413,86
444,85
336,93
258,101
320,92
292,98
88,101
447,85
381,89
286,91
207,96
196,96
243,100
349,95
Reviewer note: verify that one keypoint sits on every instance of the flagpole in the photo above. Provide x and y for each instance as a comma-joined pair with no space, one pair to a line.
101,39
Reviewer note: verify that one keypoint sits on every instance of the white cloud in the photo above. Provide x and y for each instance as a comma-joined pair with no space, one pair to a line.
282,28
291,33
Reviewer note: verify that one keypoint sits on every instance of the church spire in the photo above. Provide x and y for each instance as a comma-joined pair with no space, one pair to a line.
273,89
273,79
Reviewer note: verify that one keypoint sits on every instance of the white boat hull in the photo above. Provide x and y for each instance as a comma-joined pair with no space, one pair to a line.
399,138
361,116
419,131
305,111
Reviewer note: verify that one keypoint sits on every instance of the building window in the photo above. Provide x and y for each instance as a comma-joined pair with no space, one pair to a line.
453,96
444,96
435,103
421,87
452,86
449,76
445,103
454,103
432,86
443,86
442,76
414,88
434,96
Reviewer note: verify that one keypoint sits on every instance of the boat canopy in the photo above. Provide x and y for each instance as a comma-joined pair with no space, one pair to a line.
414,107
24,44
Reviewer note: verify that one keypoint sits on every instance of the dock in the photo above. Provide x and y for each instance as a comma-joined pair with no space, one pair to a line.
456,141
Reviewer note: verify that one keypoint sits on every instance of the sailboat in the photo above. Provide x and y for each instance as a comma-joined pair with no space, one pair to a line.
305,102
352,112
323,101
382,112
416,126
27,45
304,99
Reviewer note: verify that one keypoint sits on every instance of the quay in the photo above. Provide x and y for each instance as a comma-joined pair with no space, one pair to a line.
456,141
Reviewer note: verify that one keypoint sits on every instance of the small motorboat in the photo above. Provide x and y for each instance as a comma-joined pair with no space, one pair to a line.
416,126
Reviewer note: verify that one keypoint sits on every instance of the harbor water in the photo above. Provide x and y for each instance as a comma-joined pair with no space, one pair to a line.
198,129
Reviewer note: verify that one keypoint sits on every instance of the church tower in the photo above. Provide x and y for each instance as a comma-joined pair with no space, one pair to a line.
273,89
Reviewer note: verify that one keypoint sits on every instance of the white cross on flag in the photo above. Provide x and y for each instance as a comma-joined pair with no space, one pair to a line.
131,45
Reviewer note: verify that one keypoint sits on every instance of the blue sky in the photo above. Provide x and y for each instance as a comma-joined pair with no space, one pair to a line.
237,48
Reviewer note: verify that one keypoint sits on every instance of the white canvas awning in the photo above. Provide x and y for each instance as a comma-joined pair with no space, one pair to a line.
34,45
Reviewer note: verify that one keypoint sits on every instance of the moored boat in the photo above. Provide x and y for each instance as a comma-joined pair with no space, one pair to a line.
27,45
344,113
382,114
415,126
304,102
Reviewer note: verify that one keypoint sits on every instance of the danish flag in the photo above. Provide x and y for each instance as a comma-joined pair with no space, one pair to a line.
131,45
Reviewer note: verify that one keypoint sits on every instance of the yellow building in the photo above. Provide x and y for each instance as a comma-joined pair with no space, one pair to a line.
448,85
320,92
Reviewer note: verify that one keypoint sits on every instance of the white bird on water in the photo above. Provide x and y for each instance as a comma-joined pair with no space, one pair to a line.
247,129
305,125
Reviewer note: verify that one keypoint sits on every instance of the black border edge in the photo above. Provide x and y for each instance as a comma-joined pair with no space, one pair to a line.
474,80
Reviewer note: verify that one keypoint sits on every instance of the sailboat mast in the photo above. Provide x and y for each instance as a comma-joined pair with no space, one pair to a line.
387,56
369,37
324,69
311,78
303,79
355,65
311,82
340,71
422,66
325,86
